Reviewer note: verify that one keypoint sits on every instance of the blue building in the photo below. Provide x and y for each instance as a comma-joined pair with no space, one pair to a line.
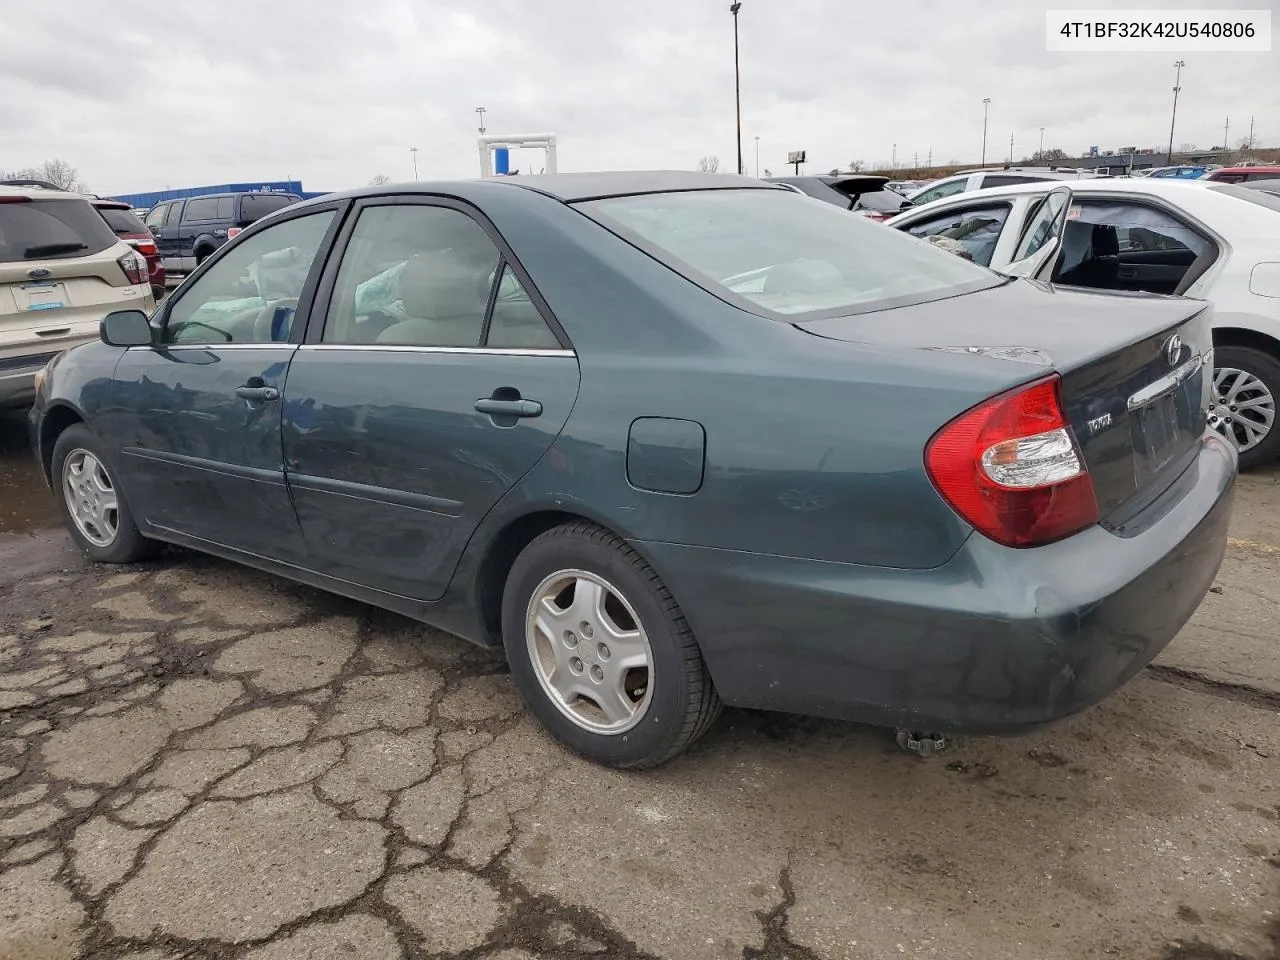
145,201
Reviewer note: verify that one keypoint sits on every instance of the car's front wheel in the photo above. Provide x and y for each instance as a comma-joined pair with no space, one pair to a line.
600,650
1246,386
91,503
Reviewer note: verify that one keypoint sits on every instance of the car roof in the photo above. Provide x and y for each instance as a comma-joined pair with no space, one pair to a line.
39,193
1259,168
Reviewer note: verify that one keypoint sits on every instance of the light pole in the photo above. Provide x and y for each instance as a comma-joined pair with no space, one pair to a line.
986,105
1041,157
1011,149
737,81
480,111
1177,86
413,152
757,158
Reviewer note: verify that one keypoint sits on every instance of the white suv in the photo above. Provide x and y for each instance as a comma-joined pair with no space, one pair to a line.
62,269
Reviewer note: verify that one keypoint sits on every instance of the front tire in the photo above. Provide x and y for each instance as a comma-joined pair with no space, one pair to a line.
601,652
92,506
1246,389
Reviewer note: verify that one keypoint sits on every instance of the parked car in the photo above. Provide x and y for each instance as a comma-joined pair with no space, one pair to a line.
862,193
1184,172
1243,174
62,269
188,231
128,226
969,180
1194,238
674,440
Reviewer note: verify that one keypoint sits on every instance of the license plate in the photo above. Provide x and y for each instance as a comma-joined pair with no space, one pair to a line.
1155,440
44,296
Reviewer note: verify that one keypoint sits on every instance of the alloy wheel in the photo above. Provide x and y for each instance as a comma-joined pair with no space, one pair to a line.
589,651
91,497
1242,407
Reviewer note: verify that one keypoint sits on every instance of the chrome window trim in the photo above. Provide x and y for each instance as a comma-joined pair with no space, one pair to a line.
217,346
411,348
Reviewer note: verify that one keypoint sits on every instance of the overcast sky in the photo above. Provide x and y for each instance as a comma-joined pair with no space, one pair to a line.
140,96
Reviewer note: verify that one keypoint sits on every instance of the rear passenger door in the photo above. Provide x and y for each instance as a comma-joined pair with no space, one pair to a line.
434,381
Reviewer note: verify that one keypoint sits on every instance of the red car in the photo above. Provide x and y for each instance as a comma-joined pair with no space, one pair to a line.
1241,174
130,228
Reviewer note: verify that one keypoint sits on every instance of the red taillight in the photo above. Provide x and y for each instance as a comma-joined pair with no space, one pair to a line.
233,232
1010,468
134,266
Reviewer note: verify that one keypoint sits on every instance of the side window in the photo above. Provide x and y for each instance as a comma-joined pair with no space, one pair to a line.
155,217
516,322
250,294
1114,245
205,208
226,208
413,275
1007,180
1040,226
978,228
174,215
942,190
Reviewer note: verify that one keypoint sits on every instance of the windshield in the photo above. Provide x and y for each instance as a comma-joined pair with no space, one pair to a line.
1261,197
786,254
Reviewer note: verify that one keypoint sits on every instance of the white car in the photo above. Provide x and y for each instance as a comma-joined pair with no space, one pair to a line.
969,180
1215,242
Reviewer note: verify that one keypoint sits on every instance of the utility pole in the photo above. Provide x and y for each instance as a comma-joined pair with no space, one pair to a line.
413,151
737,81
930,160
1041,157
1011,149
1177,87
894,162
480,111
1226,135
1251,133
986,105
915,161
757,158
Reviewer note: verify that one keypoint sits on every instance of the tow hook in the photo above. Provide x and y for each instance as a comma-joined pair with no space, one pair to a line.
921,743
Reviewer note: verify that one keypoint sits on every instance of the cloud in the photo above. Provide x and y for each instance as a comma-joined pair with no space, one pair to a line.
139,97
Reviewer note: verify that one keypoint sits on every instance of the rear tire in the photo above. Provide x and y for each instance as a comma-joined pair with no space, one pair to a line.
92,505
1248,375
582,610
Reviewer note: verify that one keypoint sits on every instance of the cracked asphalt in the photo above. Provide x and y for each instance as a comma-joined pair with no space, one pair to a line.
200,761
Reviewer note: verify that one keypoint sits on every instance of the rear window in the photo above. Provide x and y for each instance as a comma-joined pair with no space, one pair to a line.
203,209
882,201
255,206
122,221
1261,197
774,253
51,230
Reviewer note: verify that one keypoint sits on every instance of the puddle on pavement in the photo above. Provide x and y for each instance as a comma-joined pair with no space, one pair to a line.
25,502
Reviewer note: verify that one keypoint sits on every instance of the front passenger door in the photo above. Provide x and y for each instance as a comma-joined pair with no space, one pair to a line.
197,416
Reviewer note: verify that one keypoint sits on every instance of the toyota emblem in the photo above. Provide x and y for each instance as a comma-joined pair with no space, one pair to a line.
1173,350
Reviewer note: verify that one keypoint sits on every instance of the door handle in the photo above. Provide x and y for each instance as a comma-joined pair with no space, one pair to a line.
258,394
509,408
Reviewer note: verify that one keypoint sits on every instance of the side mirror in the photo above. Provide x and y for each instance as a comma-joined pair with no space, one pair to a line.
126,328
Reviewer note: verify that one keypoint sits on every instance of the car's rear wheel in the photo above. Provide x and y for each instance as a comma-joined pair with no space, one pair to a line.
91,503
600,650
1246,387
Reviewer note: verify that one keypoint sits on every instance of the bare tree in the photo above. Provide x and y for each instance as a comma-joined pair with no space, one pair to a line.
379,179
1049,154
709,164
855,166
58,172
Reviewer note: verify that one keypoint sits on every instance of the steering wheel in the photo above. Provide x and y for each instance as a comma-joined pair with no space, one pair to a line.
264,327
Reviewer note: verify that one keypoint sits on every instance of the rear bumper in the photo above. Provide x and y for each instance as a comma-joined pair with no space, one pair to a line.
17,379
994,641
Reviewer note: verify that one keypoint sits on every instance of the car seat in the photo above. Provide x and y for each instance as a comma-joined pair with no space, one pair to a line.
439,293
1090,256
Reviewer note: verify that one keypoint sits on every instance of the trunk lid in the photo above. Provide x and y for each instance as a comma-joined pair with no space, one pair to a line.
1135,371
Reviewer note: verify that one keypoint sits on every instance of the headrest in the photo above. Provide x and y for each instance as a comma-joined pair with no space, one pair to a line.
439,285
